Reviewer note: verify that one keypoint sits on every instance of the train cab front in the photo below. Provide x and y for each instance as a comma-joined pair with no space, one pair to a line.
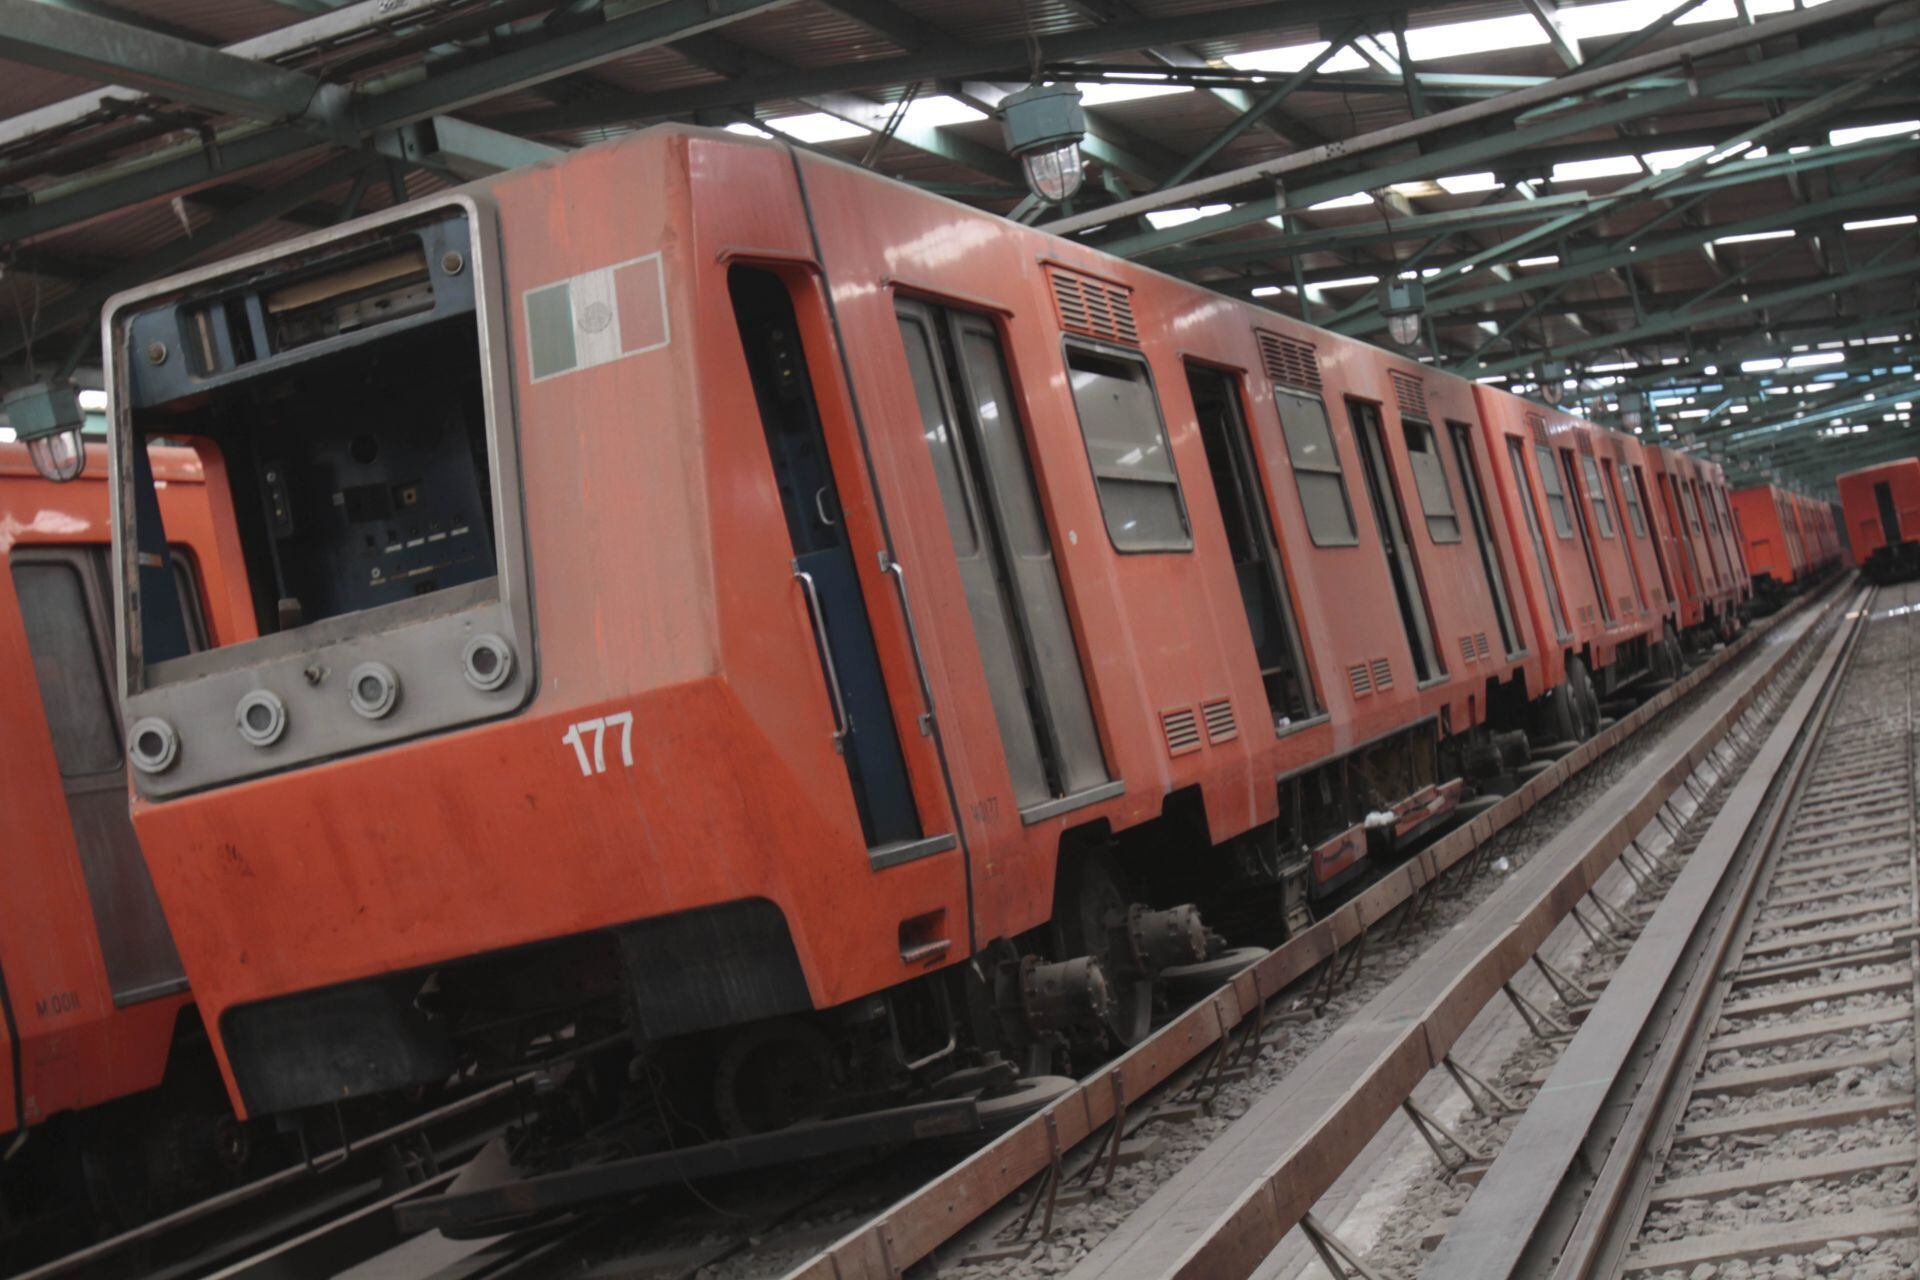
480,790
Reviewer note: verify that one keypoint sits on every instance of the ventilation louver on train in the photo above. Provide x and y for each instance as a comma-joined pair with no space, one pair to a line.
1096,308
1221,725
1466,648
1382,674
1537,425
1361,681
1290,363
1480,643
1182,729
1411,393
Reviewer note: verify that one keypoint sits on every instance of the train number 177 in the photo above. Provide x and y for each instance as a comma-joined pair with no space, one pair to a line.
577,734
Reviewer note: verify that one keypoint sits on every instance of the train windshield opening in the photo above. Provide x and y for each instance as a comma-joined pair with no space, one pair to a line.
344,398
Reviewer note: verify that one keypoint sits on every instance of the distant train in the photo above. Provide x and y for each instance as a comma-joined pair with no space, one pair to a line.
1881,519
811,640
107,1085
1791,539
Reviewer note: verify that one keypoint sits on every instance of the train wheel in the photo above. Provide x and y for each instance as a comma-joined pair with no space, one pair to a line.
1093,922
1556,719
772,1075
1587,702
1663,657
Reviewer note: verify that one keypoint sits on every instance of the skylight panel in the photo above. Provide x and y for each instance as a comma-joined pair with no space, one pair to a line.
1815,358
1106,93
1860,133
1287,59
1752,237
1353,201
931,113
817,127
1661,161
1458,39
746,130
1461,184
1161,219
1604,167
1265,290
1870,224
1765,365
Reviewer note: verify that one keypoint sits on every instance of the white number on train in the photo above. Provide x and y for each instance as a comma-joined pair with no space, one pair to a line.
576,737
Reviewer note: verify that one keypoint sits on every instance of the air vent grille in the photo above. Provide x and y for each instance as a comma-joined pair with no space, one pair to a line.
1466,648
1382,674
1358,677
1585,446
1290,363
1537,425
1094,307
1480,643
1182,729
1221,726
1411,393
1626,604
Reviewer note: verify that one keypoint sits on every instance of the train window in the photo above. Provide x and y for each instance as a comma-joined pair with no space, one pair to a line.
943,442
1517,458
1597,495
1644,500
1430,477
55,611
1635,516
1555,491
1316,469
1127,445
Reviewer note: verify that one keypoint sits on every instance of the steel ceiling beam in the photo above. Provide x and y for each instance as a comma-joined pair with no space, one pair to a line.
1468,155
960,59
413,96
1561,92
1669,322
98,48
80,305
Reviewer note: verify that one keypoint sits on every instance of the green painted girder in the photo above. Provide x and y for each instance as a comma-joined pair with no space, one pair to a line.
102,49
1671,321
1625,250
1372,231
1642,189
1478,152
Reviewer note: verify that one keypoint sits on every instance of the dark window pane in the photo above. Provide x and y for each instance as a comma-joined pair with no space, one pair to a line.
73,690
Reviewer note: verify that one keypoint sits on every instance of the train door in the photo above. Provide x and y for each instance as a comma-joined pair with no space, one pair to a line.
1889,516
1678,519
822,556
64,594
974,436
1633,526
1250,538
1391,517
1482,522
1638,488
1585,532
1516,456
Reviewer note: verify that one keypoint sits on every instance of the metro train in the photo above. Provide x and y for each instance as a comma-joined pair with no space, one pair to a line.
810,641
1790,539
108,1088
1881,519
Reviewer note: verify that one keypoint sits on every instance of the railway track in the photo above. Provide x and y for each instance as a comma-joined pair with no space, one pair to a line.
1765,1124
997,1207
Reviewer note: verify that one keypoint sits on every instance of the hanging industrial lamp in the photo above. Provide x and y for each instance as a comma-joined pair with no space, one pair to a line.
1553,385
47,418
1404,304
1043,125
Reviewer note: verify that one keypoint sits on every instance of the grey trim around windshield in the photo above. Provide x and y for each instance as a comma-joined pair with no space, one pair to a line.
421,640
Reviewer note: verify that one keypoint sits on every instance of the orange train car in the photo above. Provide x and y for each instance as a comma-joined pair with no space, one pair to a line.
97,1013
1880,513
1788,539
1702,542
713,626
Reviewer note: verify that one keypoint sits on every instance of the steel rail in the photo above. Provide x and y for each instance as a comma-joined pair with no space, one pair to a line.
915,1226
1507,1225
